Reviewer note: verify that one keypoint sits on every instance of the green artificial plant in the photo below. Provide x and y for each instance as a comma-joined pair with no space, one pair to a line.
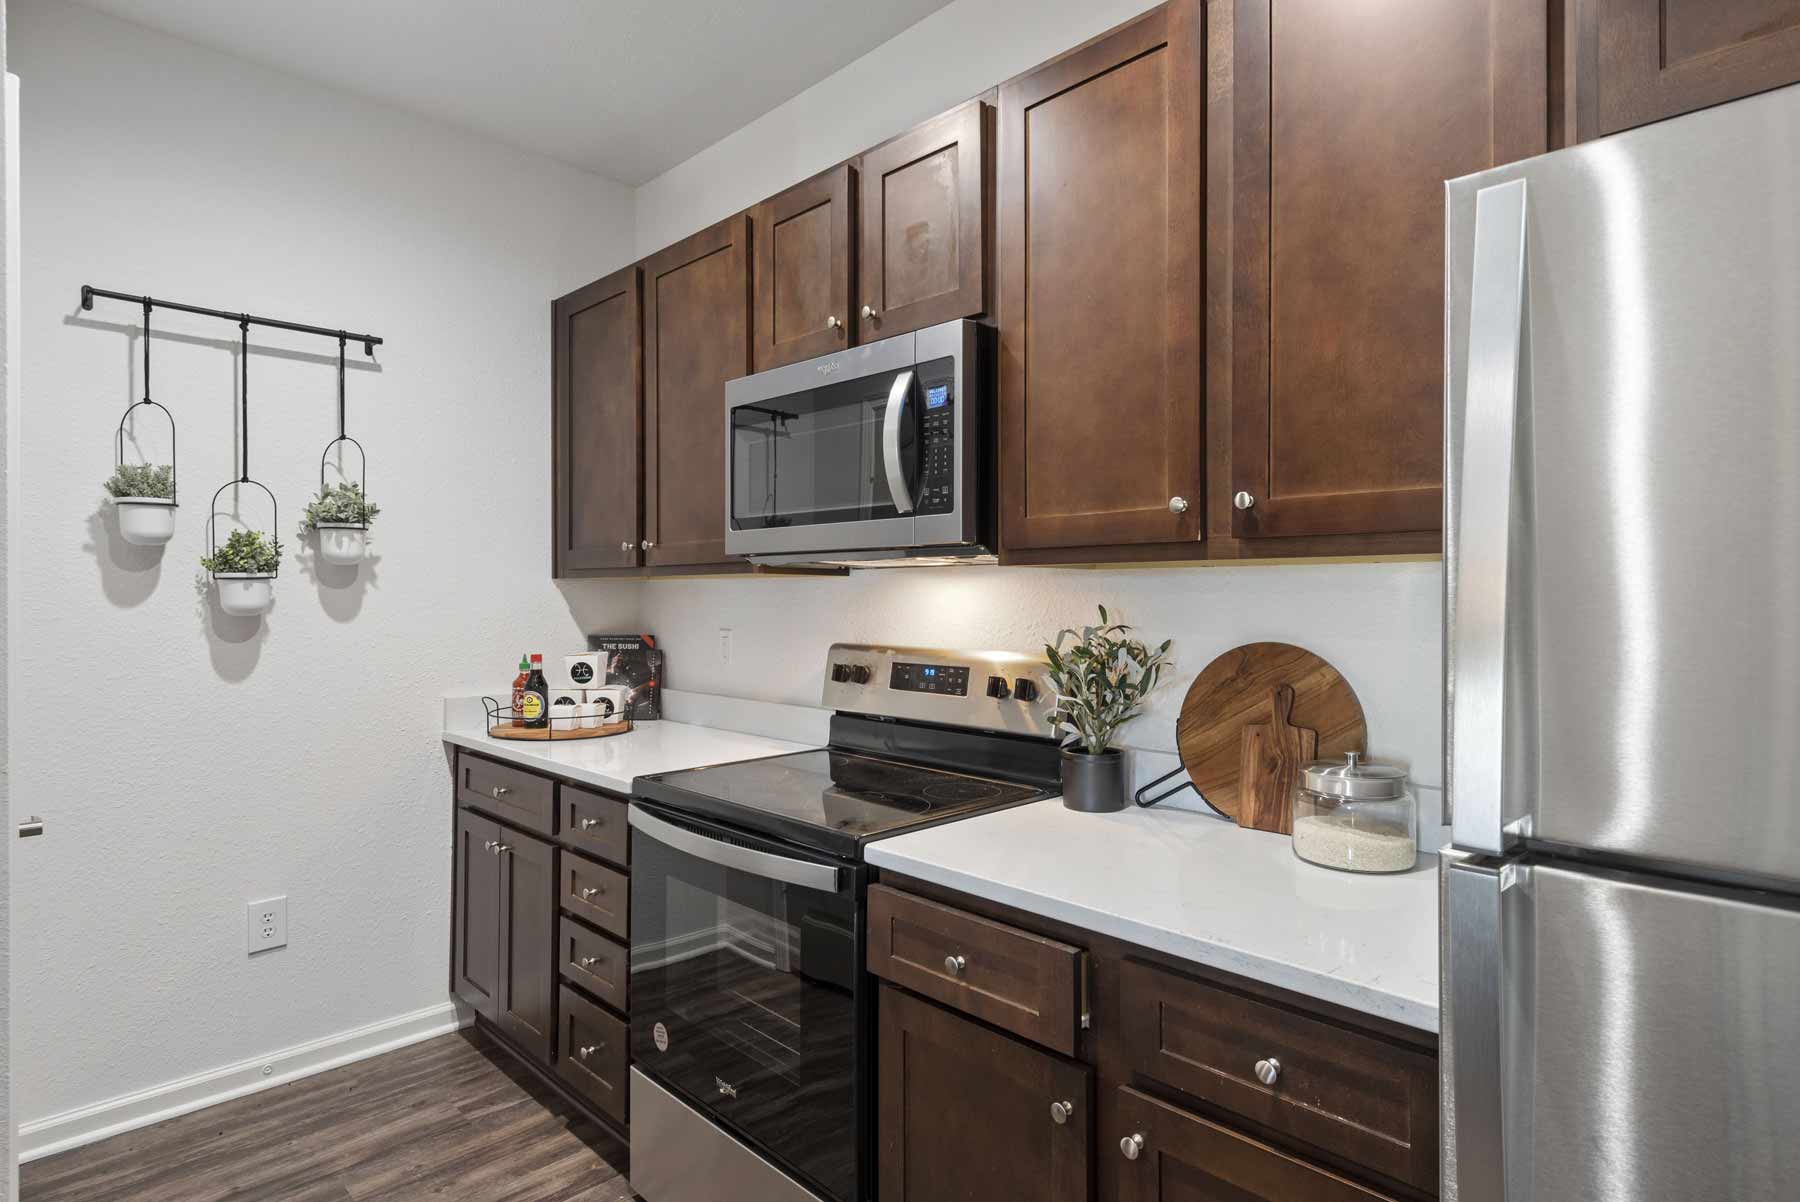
1101,680
155,480
338,503
246,551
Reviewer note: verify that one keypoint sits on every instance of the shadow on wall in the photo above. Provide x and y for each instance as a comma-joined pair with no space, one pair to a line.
233,643
341,586
128,573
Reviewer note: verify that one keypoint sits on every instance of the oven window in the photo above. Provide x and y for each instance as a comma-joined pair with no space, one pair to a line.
744,998
815,457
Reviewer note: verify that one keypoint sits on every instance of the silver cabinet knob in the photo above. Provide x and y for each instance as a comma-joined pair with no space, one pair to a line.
492,846
588,961
869,313
1060,1112
1243,500
591,892
588,824
31,828
499,791
1268,1071
589,1050
832,323
1178,505
501,849
1131,1145
954,965
647,543
627,546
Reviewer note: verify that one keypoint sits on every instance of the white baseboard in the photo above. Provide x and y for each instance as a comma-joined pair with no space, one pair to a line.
128,1112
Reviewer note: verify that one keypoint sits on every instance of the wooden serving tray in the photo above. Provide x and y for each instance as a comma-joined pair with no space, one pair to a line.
546,734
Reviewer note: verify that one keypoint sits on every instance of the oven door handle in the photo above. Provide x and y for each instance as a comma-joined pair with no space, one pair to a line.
898,395
803,873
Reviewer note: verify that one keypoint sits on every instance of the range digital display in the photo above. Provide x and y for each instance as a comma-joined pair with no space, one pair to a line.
937,396
929,678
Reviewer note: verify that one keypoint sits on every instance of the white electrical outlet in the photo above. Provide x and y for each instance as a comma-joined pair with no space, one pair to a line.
724,644
267,923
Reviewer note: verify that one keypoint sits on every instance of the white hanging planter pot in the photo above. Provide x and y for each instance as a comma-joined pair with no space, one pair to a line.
343,543
245,594
145,521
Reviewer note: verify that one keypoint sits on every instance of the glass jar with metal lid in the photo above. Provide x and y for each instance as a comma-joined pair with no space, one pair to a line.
1355,817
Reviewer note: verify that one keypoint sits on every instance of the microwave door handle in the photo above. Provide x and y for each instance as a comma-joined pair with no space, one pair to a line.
898,396
1497,314
766,864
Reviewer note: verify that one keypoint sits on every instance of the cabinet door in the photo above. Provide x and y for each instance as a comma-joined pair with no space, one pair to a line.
1100,299
527,909
1348,118
1635,61
924,218
803,253
597,445
1162,1154
966,1113
696,337
475,922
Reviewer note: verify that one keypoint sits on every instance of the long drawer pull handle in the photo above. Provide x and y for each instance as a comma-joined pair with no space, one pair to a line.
1131,1145
588,824
1268,1071
954,965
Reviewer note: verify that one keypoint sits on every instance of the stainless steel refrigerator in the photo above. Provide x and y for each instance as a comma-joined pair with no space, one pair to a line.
1621,910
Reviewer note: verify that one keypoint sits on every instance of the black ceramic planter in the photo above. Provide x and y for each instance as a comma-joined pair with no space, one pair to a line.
1093,784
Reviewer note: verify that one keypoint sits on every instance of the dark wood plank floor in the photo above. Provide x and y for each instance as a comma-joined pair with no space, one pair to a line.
453,1119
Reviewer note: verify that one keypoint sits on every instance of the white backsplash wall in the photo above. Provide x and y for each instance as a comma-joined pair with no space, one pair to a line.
1378,623
186,762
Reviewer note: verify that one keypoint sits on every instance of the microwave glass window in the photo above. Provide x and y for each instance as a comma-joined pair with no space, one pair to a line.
815,457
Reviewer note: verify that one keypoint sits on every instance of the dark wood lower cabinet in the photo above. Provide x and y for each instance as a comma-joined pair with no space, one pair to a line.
475,925
966,1113
1164,1154
523,1007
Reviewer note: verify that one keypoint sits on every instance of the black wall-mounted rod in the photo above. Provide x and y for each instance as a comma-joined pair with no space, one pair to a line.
89,292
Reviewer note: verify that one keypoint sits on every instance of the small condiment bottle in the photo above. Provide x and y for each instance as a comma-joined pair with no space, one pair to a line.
534,705
518,691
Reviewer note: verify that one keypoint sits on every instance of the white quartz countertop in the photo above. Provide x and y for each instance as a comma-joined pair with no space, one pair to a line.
613,762
1202,889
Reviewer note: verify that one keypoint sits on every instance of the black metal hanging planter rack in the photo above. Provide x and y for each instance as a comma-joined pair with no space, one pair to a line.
144,520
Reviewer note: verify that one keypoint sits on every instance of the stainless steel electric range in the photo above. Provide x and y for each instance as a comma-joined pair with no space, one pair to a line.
752,1028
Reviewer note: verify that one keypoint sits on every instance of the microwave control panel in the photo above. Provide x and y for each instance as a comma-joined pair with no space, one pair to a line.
937,448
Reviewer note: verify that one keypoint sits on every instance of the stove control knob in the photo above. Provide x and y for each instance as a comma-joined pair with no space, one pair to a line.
840,673
859,673
1025,689
997,688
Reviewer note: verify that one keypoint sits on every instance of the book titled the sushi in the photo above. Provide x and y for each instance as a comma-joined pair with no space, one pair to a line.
635,662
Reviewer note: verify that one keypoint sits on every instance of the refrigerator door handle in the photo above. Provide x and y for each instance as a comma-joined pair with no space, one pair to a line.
1496,365
1474,970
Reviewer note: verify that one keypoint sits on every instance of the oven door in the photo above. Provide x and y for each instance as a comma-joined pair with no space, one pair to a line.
825,455
747,995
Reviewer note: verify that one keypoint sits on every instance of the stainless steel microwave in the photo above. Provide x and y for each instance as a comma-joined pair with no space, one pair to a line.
877,455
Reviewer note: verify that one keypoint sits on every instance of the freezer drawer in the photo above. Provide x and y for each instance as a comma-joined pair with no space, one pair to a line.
1619,1038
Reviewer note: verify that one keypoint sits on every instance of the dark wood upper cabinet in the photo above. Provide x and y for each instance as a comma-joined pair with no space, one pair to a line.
528,952
696,337
1346,119
965,1112
804,260
1100,293
475,925
1628,62
597,337
925,218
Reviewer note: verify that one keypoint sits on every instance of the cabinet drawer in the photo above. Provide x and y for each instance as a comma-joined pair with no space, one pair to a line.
1361,1097
599,894
1013,979
594,823
592,961
512,794
592,1055
1164,1154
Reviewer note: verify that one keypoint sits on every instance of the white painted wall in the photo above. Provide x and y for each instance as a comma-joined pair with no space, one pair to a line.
188,762
960,51
9,356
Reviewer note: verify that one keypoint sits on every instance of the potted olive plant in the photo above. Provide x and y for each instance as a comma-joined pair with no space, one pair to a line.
1101,680
143,497
341,516
244,570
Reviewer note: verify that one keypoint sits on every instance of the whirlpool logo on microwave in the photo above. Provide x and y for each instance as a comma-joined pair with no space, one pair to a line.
826,369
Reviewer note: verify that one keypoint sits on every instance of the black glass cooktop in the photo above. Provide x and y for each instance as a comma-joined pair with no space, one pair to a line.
834,801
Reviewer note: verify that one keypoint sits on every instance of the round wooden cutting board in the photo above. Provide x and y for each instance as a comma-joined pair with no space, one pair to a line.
1234,691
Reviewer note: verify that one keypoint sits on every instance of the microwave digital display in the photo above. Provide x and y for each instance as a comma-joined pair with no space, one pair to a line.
937,396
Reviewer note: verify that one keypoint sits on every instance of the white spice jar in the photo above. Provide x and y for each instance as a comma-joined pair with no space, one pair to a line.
1355,817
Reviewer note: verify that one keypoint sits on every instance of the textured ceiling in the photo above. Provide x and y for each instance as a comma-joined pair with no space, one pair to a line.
624,88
